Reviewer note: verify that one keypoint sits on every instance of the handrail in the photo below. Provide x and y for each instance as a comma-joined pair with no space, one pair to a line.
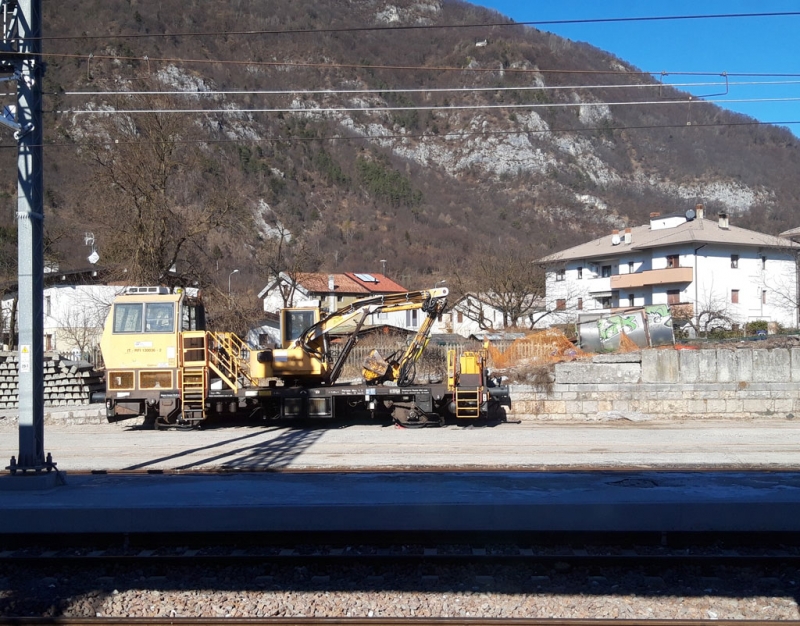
223,352
228,356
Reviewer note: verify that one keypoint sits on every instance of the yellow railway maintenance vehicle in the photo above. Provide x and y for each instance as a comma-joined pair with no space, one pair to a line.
163,364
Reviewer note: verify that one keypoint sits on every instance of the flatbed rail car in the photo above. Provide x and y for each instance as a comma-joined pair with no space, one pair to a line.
162,364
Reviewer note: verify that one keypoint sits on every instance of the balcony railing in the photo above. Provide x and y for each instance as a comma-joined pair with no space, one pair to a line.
667,276
600,285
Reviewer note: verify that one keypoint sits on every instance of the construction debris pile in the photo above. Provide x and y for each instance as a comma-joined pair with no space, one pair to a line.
66,383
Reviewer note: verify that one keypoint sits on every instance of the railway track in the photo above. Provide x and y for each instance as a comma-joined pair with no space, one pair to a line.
244,621
301,621
602,551
163,581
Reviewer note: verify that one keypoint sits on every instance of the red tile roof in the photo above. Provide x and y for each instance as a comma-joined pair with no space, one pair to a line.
348,283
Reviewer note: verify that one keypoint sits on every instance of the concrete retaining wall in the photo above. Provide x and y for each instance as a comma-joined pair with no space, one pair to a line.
668,384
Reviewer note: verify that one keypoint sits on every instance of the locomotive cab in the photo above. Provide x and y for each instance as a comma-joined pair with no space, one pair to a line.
141,350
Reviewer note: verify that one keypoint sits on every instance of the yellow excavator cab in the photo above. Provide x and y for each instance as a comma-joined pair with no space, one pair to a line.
295,321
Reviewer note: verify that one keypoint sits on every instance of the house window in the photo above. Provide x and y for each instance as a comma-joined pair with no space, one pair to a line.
673,296
460,317
734,261
763,262
580,273
605,272
630,299
48,306
605,302
630,267
673,260
580,304
560,274
48,343
561,304
763,296
734,296
411,319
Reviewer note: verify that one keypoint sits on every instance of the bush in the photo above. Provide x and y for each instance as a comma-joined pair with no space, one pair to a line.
752,328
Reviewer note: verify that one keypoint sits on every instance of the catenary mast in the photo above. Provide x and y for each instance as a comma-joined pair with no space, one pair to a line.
21,57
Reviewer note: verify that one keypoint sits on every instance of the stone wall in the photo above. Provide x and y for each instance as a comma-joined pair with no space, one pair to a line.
668,384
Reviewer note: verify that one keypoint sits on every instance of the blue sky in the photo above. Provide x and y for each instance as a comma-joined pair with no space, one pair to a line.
749,45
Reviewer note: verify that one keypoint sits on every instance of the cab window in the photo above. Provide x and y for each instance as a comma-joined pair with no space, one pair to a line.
159,317
295,324
128,318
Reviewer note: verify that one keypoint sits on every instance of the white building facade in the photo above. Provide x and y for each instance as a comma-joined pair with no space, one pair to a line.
715,273
74,315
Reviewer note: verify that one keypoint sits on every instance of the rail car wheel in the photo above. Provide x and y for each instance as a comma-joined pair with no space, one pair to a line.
411,416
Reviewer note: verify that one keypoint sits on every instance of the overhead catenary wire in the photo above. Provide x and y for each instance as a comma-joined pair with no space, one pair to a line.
314,92
407,27
430,68
444,134
459,107
428,135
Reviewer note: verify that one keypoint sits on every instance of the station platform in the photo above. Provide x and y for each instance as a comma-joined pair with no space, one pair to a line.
596,501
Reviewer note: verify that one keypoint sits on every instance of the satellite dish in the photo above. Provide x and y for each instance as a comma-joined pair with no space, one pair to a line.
690,215
615,240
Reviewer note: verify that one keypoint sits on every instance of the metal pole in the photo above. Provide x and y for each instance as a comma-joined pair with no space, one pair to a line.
230,304
30,248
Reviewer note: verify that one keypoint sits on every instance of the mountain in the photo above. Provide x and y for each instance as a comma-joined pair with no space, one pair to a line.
524,153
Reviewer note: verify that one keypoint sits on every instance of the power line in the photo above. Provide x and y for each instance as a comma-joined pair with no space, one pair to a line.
454,134
310,92
459,107
407,27
358,66
427,68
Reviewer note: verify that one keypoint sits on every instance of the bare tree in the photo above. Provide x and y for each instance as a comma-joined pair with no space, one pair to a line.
507,279
80,318
154,196
712,311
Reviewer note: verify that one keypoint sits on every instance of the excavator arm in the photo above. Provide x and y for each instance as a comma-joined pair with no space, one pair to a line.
402,371
308,358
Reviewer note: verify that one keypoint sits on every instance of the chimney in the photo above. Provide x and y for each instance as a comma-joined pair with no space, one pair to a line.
723,220
628,236
615,237
332,295
699,210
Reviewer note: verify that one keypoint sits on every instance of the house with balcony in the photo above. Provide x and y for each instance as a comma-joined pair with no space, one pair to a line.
708,271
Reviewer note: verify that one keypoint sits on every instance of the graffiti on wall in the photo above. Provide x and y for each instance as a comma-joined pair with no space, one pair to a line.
647,326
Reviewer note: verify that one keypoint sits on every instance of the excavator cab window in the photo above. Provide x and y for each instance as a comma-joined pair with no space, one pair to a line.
294,322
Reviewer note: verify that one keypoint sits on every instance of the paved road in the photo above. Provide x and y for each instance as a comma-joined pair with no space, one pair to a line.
764,444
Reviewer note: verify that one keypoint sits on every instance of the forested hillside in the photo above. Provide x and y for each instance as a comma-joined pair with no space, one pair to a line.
499,147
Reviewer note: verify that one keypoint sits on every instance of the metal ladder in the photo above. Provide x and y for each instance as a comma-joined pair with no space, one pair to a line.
468,403
193,396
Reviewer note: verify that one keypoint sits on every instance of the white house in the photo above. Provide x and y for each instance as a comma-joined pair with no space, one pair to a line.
472,315
719,274
75,305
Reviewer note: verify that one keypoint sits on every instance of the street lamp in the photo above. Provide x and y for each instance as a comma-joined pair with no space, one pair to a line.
229,283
